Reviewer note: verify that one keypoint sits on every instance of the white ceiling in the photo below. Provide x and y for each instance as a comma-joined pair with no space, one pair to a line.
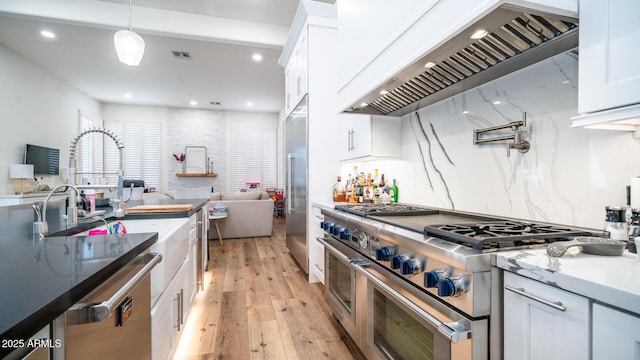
220,36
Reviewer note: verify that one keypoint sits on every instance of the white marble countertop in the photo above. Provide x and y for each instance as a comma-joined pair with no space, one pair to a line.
613,280
327,205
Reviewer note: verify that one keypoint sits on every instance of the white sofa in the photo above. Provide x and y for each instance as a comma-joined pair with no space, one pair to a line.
249,214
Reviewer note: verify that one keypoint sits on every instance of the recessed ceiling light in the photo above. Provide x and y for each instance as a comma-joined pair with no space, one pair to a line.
256,57
430,64
193,102
363,104
249,104
128,95
479,34
466,112
383,92
497,102
48,34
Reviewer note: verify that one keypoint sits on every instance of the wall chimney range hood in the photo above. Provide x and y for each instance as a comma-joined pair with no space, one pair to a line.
516,38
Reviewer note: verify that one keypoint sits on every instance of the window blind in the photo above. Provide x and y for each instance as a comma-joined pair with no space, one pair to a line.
141,153
89,154
253,156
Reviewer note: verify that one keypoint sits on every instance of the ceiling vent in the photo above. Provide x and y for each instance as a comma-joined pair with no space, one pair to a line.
214,102
181,54
514,39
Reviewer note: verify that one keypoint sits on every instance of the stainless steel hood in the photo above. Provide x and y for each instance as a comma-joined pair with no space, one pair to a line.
516,38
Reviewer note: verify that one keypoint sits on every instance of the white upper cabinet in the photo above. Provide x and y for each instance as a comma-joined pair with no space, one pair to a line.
369,136
379,39
609,86
311,19
296,77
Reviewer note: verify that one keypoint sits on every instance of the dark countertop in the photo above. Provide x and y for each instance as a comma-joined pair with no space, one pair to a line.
41,278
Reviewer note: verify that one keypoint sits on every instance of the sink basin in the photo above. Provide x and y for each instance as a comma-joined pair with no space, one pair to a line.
173,244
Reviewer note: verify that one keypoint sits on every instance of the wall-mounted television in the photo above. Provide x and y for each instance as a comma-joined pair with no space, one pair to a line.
46,161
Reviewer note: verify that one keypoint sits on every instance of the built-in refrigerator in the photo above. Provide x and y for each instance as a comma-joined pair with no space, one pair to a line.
296,145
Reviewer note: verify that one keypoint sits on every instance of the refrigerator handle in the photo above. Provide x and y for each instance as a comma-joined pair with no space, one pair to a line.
289,196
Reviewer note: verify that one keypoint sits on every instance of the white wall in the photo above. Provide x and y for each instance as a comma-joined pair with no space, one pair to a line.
40,109
36,108
568,176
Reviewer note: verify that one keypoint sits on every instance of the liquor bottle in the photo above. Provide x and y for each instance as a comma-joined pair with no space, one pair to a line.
348,189
368,189
381,184
394,192
354,197
339,191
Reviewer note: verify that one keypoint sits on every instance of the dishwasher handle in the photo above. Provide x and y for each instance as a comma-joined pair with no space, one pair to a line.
99,311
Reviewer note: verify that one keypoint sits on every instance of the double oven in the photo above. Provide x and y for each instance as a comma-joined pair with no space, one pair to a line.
401,293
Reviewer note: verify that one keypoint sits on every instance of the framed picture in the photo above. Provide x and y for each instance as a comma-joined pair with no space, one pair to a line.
196,159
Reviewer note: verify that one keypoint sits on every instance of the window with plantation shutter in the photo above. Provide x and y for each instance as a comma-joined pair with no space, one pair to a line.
89,149
141,153
253,157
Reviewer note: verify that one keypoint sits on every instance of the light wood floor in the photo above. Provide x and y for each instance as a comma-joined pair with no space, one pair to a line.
257,304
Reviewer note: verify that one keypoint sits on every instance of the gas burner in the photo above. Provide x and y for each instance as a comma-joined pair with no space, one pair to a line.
384,209
501,234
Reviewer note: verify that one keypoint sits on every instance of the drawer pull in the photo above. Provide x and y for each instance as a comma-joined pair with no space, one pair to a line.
520,291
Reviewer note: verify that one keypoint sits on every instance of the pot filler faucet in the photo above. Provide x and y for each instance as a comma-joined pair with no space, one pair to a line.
517,142
41,225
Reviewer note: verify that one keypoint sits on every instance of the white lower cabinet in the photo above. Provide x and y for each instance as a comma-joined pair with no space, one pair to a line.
170,311
544,322
167,317
316,250
616,334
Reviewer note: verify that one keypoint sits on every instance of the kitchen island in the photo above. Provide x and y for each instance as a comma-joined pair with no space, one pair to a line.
42,278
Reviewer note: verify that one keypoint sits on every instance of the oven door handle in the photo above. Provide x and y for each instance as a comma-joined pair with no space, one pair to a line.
454,332
333,250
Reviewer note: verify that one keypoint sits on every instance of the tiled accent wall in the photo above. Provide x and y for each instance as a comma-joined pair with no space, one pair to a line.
568,176
190,127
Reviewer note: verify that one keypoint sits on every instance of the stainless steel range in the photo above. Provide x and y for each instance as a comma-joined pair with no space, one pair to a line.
407,281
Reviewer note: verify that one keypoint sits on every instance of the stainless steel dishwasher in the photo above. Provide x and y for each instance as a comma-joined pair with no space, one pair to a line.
114,321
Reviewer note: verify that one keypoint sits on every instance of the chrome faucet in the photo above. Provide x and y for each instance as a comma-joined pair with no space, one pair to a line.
41,226
119,212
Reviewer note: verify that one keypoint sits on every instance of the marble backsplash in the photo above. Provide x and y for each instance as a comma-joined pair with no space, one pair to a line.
568,176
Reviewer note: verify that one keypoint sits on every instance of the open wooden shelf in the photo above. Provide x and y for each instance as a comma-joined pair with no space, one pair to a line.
197,175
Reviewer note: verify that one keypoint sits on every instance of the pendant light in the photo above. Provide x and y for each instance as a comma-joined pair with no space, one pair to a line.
129,45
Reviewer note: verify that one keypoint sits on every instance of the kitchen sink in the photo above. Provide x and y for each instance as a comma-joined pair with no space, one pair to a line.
173,244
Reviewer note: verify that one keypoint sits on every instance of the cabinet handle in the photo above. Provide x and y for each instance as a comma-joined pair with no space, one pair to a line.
177,300
353,139
520,291
181,306
298,85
